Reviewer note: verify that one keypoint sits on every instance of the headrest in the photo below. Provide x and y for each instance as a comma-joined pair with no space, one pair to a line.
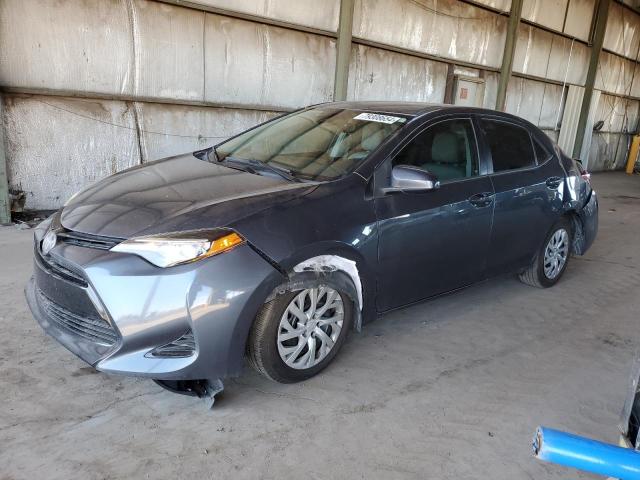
445,148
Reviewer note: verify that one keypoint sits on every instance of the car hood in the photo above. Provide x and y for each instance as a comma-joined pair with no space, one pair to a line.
180,192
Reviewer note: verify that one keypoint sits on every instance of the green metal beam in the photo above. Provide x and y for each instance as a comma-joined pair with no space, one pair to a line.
343,51
5,208
599,29
509,50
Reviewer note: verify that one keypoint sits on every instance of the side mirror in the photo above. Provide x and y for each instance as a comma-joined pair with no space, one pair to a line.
405,178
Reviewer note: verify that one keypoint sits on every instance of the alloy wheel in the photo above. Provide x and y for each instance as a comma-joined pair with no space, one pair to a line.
555,253
310,326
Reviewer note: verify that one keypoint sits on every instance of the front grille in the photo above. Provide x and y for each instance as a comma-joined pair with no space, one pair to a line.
60,270
93,328
185,346
86,240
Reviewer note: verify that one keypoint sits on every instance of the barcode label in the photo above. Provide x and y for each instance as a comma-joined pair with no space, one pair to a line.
376,117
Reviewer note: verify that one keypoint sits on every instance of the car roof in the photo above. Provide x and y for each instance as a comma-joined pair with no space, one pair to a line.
414,109
403,108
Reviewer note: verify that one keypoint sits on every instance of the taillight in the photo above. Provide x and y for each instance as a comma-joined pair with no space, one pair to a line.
586,176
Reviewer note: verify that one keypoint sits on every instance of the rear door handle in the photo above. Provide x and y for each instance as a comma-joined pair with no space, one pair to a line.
481,199
553,182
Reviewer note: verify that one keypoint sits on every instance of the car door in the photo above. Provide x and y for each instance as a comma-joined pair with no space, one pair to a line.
528,198
433,241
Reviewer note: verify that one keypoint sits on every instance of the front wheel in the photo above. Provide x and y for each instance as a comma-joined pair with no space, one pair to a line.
550,263
297,334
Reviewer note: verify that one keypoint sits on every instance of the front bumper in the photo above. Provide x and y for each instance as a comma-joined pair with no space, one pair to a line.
147,307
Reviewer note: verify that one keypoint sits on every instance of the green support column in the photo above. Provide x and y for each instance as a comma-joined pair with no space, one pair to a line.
509,50
343,50
599,29
5,208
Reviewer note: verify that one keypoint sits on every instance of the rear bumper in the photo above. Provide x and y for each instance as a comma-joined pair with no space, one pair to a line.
589,218
148,307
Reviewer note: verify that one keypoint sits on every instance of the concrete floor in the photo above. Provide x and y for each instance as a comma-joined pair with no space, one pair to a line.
451,388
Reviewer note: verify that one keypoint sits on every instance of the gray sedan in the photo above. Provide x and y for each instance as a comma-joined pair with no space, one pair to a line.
276,243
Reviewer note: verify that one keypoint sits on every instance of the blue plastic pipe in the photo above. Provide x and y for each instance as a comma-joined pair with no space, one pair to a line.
585,454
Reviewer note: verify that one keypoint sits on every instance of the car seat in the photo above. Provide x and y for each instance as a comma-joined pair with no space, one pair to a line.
447,161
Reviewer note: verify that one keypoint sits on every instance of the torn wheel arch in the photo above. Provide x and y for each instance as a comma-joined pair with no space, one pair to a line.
331,260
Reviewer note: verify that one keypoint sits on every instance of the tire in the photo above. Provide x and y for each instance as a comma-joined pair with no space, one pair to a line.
536,274
266,349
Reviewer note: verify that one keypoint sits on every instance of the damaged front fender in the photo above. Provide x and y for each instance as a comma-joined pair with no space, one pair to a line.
333,271
333,263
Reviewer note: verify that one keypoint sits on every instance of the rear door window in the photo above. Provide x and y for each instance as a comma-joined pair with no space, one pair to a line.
510,145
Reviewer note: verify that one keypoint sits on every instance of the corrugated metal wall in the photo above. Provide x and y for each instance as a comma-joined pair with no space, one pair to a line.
618,77
94,86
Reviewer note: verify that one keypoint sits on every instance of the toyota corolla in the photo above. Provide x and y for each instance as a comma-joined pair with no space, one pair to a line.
274,244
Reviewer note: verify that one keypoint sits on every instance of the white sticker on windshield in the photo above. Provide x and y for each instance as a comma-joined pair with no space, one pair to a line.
376,117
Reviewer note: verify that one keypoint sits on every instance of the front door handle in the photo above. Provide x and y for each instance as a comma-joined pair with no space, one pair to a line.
553,182
481,199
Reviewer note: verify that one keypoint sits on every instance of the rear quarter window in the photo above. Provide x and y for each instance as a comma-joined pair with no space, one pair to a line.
510,145
542,154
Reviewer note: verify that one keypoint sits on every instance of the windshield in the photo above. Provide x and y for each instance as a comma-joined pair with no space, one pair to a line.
315,144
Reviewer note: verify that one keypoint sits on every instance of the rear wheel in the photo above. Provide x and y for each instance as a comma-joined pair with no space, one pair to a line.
551,262
297,334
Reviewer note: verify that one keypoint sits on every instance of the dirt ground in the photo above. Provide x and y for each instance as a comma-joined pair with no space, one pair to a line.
448,389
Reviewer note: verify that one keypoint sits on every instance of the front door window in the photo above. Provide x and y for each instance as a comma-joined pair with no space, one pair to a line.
445,149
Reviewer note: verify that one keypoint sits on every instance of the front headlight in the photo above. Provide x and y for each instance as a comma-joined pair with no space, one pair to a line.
171,249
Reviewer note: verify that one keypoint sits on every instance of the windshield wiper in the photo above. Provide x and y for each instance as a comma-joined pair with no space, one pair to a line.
280,171
283,172
214,151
